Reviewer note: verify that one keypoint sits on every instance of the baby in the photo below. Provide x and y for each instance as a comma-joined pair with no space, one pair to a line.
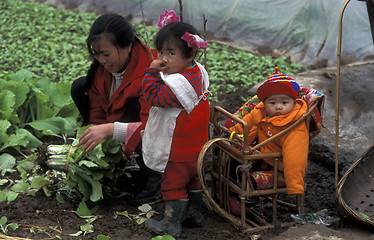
279,108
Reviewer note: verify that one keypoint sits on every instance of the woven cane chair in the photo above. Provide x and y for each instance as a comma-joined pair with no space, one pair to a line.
220,155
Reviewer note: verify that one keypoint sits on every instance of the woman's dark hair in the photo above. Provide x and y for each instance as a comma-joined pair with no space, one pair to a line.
174,32
117,30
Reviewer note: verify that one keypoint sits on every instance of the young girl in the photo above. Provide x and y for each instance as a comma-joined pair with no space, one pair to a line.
177,88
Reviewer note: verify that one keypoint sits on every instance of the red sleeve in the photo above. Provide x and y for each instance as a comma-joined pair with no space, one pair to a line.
97,97
156,92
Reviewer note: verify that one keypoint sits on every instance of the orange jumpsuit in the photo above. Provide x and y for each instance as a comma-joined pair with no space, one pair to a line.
294,145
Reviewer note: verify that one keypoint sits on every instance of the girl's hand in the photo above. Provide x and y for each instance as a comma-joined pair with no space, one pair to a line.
93,135
158,64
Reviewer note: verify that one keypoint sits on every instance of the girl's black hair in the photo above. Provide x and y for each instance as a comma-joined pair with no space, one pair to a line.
117,29
174,32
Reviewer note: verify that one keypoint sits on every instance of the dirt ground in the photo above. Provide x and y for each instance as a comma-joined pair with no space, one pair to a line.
42,217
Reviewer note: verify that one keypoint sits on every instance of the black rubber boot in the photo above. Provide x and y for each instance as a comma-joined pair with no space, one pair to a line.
193,217
149,190
172,221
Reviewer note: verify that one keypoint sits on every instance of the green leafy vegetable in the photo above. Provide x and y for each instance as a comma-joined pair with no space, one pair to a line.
32,107
7,162
4,226
88,171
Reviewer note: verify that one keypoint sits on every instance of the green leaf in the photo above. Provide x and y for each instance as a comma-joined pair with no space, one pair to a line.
150,214
22,75
3,220
20,90
61,94
47,192
87,228
3,181
23,173
60,198
7,163
164,237
11,196
364,215
2,196
32,140
102,163
83,210
20,187
39,182
22,138
55,125
88,164
102,237
83,185
4,126
91,188
97,175
13,226
124,213
7,103
28,163
141,220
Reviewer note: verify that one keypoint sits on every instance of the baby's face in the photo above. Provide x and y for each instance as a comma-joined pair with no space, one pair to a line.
279,104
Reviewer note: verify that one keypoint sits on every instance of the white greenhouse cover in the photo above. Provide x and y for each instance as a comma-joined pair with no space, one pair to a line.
306,30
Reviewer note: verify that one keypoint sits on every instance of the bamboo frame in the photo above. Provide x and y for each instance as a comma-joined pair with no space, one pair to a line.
226,151
339,49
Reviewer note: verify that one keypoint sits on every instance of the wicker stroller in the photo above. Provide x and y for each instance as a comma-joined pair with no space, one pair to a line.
220,155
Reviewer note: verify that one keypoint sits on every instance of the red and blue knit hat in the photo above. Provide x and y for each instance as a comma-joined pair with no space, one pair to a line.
278,83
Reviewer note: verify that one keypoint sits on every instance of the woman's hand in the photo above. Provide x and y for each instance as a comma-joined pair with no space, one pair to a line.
93,135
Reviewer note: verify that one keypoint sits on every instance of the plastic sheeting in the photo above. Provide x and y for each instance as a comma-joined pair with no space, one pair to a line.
305,30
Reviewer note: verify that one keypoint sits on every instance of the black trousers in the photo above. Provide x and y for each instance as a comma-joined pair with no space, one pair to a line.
81,99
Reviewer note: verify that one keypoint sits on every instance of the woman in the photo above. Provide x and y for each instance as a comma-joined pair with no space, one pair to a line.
110,96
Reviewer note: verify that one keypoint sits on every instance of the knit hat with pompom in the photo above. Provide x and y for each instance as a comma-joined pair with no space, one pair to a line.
278,83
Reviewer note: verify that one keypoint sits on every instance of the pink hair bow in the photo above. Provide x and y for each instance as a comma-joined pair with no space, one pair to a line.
194,41
168,17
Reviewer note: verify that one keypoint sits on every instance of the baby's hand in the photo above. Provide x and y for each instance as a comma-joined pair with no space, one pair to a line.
158,64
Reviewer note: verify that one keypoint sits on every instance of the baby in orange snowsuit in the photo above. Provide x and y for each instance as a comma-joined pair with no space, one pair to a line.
278,109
